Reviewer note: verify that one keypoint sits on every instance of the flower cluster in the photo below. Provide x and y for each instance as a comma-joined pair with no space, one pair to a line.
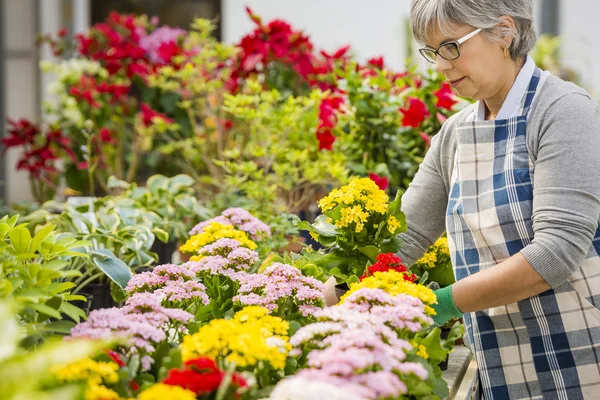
97,374
361,350
158,278
394,283
283,290
213,232
241,220
202,376
359,202
389,262
161,391
436,254
143,323
250,337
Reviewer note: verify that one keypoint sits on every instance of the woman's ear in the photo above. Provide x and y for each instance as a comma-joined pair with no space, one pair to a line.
506,28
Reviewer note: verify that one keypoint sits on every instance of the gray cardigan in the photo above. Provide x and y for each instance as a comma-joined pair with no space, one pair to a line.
563,139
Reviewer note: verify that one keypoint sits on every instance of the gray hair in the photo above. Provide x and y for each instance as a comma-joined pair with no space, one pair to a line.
445,15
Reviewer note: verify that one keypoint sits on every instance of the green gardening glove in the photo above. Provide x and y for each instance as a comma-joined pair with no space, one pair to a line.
445,308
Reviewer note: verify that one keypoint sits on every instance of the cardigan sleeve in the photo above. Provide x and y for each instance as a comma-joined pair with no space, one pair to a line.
566,187
424,205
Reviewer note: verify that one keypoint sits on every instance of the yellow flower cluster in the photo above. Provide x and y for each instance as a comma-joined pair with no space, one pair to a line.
393,224
213,232
96,373
251,336
421,349
442,245
429,259
393,283
359,199
160,391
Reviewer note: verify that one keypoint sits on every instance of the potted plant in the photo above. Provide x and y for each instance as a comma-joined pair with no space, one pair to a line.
173,200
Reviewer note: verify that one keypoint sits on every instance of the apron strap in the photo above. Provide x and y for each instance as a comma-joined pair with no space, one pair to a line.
533,84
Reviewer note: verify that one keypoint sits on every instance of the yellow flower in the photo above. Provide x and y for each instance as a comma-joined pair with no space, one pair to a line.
353,215
160,391
429,259
250,337
393,224
393,283
213,232
360,191
421,349
96,373
442,245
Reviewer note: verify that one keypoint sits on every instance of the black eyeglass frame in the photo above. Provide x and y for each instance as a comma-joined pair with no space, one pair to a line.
455,44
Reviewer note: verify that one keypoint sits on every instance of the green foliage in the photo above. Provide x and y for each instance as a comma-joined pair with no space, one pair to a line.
23,374
173,200
35,273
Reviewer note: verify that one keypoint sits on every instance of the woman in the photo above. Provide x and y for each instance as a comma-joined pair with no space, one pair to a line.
514,180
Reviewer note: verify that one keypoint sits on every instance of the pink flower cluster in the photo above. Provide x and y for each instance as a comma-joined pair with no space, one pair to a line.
224,257
360,344
240,219
180,293
281,285
150,281
143,322
232,250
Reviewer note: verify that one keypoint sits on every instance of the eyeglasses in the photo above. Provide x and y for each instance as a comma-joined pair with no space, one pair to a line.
448,51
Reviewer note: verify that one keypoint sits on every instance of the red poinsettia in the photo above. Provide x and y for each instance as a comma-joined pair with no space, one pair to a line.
445,97
389,262
328,119
415,114
381,181
201,376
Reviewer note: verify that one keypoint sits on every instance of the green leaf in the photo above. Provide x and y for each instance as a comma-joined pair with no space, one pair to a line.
57,287
73,312
444,276
161,235
324,228
62,327
56,264
155,183
433,343
20,239
395,210
40,237
115,269
75,297
117,293
294,326
393,245
46,310
370,251
179,182
116,183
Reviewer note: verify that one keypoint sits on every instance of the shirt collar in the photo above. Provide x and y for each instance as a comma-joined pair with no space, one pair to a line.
512,104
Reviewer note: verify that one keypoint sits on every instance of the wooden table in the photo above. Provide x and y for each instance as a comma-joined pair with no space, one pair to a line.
461,373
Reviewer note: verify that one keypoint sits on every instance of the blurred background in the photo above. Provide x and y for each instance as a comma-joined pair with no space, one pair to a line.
371,27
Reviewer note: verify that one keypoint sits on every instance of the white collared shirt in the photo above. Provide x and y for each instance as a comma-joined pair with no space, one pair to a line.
512,104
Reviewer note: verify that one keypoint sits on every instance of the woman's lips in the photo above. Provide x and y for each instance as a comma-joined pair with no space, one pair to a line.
457,82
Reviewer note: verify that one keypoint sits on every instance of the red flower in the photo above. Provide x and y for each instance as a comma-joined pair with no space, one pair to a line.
148,115
326,140
116,358
389,262
445,97
167,51
381,181
415,114
327,114
134,386
62,33
20,132
376,62
106,136
199,383
201,364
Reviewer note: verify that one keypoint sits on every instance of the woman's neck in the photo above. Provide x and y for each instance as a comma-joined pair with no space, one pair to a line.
494,103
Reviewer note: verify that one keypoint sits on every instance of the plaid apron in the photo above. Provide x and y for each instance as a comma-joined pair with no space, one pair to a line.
545,346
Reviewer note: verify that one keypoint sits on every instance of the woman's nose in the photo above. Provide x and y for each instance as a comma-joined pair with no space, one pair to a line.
442,65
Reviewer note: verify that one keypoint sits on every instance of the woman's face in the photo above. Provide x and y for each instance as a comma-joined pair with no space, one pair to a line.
480,72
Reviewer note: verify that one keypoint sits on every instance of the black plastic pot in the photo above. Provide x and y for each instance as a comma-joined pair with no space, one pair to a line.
341,289
165,251
444,364
100,296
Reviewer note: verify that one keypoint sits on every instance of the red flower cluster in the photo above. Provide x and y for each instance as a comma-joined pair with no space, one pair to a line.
381,181
389,262
116,44
327,115
202,376
445,97
40,150
415,114
148,114
274,41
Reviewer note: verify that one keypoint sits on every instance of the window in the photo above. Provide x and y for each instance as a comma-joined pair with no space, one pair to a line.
176,13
